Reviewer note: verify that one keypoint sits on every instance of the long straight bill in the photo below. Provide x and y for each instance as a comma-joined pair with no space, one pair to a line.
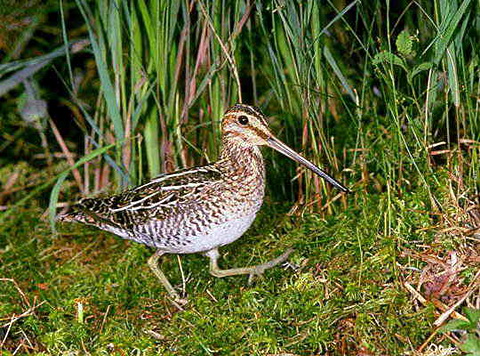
287,151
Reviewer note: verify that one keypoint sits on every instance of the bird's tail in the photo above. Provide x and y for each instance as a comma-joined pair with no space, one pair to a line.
67,217
75,215
80,215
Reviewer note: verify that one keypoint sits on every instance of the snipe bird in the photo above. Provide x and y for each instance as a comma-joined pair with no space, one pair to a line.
198,210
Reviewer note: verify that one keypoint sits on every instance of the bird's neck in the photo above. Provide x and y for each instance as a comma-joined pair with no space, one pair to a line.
241,158
244,175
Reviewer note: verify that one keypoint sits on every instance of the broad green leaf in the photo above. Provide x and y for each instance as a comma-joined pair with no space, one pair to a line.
338,72
419,68
389,58
473,315
447,29
455,324
404,44
472,345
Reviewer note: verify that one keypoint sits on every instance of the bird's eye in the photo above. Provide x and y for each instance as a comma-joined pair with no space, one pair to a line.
243,120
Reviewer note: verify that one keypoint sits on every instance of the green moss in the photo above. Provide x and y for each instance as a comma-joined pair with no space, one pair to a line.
345,293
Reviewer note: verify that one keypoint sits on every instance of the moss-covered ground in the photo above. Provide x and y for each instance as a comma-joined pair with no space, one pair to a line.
342,291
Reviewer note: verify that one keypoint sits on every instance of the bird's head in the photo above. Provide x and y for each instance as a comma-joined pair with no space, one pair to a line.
247,126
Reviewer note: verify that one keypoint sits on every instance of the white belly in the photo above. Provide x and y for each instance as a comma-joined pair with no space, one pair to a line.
219,235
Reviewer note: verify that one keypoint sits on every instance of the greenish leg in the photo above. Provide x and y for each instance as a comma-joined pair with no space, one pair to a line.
153,264
251,271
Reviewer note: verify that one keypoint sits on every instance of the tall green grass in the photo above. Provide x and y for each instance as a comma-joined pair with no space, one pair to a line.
381,94
156,61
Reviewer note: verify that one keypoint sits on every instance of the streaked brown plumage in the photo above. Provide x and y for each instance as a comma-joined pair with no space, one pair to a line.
197,209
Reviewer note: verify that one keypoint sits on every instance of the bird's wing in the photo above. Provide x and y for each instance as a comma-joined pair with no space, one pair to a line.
156,199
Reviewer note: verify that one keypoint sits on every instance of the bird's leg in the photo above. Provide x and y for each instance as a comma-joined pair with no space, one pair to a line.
251,271
153,264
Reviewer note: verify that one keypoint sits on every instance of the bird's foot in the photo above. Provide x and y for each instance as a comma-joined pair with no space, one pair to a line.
257,271
178,302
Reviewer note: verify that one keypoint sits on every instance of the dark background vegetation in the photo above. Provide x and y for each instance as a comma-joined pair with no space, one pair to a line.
96,96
